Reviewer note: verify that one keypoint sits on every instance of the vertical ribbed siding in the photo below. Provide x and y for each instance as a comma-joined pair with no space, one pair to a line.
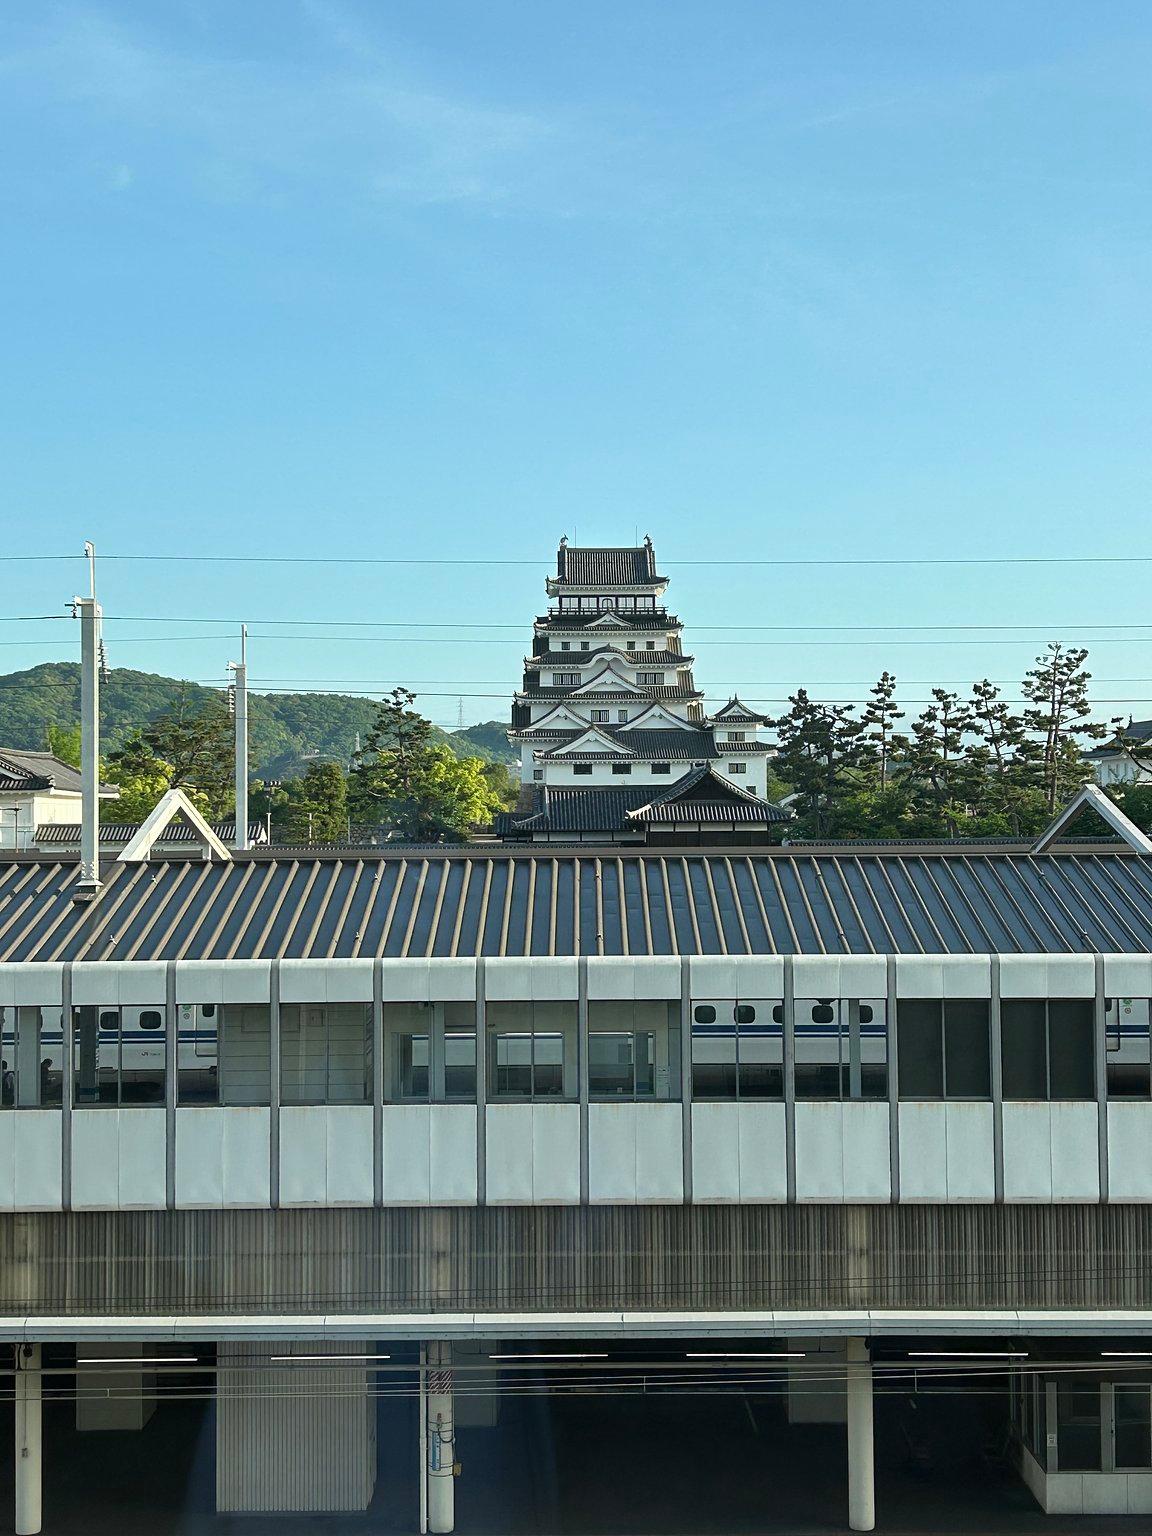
293,1442
558,1258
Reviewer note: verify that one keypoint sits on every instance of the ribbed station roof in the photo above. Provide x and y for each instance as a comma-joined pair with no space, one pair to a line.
481,902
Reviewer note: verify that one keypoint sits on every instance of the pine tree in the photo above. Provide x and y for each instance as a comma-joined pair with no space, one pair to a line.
818,747
879,724
937,763
1057,688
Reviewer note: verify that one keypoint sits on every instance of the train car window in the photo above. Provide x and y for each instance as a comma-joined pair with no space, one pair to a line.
703,1014
745,1013
209,1010
110,1019
31,1075
740,1059
1129,1067
841,1049
150,1019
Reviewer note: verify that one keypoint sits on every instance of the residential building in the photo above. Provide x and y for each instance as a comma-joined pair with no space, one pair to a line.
37,791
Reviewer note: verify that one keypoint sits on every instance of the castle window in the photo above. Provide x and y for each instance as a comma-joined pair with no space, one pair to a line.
649,645
621,716
661,767
621,767
652,679
565,679
737,767
601,716
631,645
565,645
584,769
537,773
736,736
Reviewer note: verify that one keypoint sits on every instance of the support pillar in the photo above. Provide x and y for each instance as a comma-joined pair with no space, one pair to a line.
29,1470
441,1441
861,1470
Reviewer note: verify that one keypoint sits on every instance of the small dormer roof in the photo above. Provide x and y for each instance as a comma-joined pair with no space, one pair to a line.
735,712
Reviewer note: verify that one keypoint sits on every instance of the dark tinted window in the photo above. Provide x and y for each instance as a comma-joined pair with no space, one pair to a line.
1024,1049
921,1052
967,1052
1070,1036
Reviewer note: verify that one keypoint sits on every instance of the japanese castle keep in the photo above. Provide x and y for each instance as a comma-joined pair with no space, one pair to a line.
615,745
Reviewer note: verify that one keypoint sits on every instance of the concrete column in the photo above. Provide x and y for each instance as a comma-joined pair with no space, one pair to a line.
29,1472
441,1441
861,1474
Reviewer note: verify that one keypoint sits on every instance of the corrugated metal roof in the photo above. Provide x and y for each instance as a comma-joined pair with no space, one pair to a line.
536,902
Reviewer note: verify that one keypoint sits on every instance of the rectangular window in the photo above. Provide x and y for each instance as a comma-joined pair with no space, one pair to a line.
736,736
584,645
841,1048
1078,1426
738,1049
582,770
661,767
531,1050
430,1052
944,1048
1133,1424
118,1055
650,679
326,1053
649,645
565,645
633,1050
631,645
32,1050
621,716
223,1053
601,716
737,768
621,767
537,774
1047,1048
1126,1033
565,679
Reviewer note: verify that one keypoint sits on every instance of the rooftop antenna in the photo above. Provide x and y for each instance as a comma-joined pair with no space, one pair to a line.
88,611
239,671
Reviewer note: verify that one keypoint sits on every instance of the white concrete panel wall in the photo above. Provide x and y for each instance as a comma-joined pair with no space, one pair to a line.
429,981
1051,1152
222,1157
326,981
947,1152
211,981
840,975
635,1154
326,1155
1129,1150
1128,975
1047,976
118,1159
943,976
842,1152
736,976
30,1160
31,983
113,982
533,1154
429,1154
739,1153
642,977
534,980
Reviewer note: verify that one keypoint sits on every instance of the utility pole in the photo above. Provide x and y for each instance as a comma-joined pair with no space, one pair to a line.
88,610
239,670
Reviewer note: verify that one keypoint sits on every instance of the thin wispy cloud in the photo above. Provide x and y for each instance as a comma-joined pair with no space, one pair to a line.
354,118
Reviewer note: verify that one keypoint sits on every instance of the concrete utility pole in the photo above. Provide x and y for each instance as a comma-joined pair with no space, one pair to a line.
441,1440
29,1476
861,1471
239,670
88,610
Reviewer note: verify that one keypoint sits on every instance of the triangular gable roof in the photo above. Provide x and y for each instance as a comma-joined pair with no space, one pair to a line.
735,709
591,741
174,803
558,718
702,783
656,715
1092,797
608,680
608,620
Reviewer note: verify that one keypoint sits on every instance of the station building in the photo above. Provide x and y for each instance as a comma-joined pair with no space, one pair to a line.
327,1114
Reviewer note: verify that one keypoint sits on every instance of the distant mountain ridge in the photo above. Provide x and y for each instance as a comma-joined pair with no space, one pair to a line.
286,729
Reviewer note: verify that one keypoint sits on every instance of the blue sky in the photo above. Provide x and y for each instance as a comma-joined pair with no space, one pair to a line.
441,278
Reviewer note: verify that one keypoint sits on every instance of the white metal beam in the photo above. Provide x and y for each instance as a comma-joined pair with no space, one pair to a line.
174,803
1093,797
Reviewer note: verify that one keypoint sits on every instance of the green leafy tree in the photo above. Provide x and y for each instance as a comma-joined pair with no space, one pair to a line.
187,747
1058,718
315,807
63,741
879,727
818,751
936,765
406,780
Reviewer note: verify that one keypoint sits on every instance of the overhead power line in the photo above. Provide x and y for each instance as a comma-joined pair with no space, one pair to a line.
486,560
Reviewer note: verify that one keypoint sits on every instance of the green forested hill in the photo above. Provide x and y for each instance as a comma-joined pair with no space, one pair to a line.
284,728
